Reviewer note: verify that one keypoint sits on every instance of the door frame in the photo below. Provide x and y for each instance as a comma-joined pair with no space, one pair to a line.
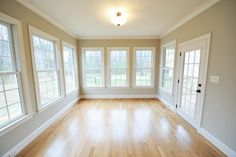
207,38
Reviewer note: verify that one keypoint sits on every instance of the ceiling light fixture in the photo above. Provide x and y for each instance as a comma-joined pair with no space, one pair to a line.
119,17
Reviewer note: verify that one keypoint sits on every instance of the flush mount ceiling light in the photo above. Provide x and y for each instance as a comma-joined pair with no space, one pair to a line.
119,17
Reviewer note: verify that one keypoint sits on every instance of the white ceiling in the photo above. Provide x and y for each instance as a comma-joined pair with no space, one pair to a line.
90,18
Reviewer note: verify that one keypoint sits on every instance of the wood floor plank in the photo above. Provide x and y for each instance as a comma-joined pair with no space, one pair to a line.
120,128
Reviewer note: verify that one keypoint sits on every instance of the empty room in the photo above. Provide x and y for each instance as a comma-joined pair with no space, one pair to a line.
117,78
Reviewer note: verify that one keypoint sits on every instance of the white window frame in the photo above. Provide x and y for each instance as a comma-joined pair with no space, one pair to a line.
84,49
127,49
153,49
37,32
66,44
22,71
171,44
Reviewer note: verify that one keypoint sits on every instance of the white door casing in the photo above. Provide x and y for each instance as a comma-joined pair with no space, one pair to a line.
192,74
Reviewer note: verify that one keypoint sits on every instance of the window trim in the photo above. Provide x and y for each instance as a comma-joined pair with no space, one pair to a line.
22,70
36,31
163,47
83,50
108,67
66,44
153,49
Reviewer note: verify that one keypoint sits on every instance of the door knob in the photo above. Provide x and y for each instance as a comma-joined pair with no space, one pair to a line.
198,91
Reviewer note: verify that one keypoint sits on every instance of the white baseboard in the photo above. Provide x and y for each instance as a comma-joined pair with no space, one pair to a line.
220,145
21,145
116,96
169,105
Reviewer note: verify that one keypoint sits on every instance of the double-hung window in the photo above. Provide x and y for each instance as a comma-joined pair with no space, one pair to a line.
167,66
70,67
93,67
12,74
144,67
118,69
46,67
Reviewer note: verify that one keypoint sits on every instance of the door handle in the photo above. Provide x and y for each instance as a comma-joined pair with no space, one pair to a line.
198,91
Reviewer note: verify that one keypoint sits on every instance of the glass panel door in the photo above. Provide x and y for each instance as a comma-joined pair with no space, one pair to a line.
190,78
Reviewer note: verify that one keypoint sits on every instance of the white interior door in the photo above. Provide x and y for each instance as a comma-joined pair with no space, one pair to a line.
192,77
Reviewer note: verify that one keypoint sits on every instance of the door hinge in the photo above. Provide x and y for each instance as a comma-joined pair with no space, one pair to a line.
180,54
176,106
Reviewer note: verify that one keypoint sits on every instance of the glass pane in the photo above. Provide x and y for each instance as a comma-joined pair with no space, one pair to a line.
167,76
10,82
48,85
53,94
6,64
70,80
12,96
2,100
69,69
93,59
118,59
191,57
4,33
44,54
169,57
5,48
3,117
197,56
93,68
1,84
143,77
93,77
44,98
119,77
190,81
143,59
15,110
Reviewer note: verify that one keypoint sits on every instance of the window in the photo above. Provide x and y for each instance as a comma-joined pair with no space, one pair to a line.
11,96
93,67
144,67
70,70
118,67
167,66
46,69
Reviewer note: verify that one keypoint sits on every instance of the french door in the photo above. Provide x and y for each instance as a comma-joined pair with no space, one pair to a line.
192,78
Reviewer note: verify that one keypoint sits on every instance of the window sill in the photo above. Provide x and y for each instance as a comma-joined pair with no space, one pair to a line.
103,87
48,105
14,124
143,87
113,87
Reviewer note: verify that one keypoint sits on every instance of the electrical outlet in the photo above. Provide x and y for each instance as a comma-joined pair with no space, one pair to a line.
214,79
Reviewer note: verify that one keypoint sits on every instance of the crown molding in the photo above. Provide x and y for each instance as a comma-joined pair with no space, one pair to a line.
189,17
177,25
39,12
116,37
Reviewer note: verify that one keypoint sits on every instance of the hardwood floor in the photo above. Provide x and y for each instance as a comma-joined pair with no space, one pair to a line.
120,128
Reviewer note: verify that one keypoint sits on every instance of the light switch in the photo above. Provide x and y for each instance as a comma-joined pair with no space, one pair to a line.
214,79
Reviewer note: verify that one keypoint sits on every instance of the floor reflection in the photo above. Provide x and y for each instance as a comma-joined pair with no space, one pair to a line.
118,123
141,122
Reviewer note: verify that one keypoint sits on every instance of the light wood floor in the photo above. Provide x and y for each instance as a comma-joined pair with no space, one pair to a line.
121,128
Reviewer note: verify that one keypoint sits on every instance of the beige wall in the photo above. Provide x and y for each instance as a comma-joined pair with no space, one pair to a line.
27,17
219,107
119,43
219,113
